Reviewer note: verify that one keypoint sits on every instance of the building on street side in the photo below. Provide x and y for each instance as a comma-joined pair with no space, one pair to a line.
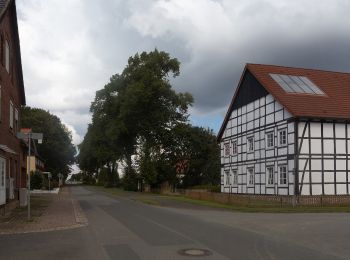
286,132
12,97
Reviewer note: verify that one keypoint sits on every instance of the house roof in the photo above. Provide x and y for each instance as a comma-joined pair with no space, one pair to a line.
334,104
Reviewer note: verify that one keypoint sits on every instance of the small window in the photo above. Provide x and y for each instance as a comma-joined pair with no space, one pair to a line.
234,147
270,175
16,120
269,140
11,115
2,171
7,56
235,177
283,174
227,149
227,178
250,144
251,176
282,137
0,105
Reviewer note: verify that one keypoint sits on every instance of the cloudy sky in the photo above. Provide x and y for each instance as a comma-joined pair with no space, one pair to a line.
71,48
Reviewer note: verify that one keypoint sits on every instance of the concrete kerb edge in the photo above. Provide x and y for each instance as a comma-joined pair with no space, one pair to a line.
80,217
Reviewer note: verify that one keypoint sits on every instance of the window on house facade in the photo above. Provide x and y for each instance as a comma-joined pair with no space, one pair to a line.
250,176
282,137
283,174
0,105
2,172
234,147
11,115
7,56
235,177
227,149
269,140
270,175
250,144
16,120
227,178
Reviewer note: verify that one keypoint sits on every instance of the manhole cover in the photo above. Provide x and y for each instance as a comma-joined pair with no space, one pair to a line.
194,252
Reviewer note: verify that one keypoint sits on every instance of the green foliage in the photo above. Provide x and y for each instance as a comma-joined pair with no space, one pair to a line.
139,112
198,147
36,180
57,150
130,180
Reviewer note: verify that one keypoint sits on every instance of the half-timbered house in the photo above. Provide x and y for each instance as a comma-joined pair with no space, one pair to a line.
287,132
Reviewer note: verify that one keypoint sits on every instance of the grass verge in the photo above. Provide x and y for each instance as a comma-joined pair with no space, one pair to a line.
254,207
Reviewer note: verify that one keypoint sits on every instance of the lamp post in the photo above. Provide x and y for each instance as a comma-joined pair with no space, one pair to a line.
28,135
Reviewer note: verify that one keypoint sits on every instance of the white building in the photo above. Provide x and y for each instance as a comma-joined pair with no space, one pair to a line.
273,107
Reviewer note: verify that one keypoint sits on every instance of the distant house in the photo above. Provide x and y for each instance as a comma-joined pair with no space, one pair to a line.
35,162
287,132
12,97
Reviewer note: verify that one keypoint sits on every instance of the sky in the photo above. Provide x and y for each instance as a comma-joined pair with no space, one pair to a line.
71,48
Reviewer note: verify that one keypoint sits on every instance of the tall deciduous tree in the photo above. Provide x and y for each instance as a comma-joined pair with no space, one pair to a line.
57,149
136,109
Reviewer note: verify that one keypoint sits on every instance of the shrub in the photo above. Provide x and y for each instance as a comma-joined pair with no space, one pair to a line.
36,180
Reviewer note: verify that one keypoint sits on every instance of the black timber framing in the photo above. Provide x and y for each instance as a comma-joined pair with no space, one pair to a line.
262,158
323,156
307,124
296,158
347,158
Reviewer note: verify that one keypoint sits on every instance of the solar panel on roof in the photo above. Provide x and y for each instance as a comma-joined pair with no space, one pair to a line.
296,84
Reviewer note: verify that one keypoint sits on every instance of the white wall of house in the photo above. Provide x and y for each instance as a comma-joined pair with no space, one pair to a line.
324,155
244,171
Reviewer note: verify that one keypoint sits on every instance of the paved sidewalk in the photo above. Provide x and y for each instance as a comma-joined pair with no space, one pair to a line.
62,212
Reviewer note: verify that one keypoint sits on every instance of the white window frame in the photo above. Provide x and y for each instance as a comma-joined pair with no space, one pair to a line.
7,56
283,175
11,115
227,178
281,139
234,147
251,176
227,149
270,175
270,139
235,177
250,144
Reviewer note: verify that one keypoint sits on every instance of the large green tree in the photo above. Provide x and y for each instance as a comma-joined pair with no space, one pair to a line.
135,110
57,149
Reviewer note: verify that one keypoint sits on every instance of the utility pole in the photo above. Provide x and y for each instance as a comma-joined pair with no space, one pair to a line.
28,135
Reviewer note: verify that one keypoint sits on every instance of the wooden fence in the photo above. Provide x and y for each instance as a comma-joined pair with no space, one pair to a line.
269,200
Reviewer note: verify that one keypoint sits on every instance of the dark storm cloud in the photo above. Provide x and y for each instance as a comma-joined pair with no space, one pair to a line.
71,48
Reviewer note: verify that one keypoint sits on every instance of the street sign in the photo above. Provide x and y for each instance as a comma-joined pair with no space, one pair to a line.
34,136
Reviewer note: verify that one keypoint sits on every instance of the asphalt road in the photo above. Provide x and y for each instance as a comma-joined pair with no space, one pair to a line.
120,228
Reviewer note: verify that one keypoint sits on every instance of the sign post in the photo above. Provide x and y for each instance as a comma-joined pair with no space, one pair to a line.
27,135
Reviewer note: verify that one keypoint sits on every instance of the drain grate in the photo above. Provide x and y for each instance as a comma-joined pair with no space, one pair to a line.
196,252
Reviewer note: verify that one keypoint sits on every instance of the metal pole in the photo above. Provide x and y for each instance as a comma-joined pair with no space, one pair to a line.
29,138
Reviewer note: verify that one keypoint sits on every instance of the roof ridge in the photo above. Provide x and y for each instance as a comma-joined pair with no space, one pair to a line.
302,68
